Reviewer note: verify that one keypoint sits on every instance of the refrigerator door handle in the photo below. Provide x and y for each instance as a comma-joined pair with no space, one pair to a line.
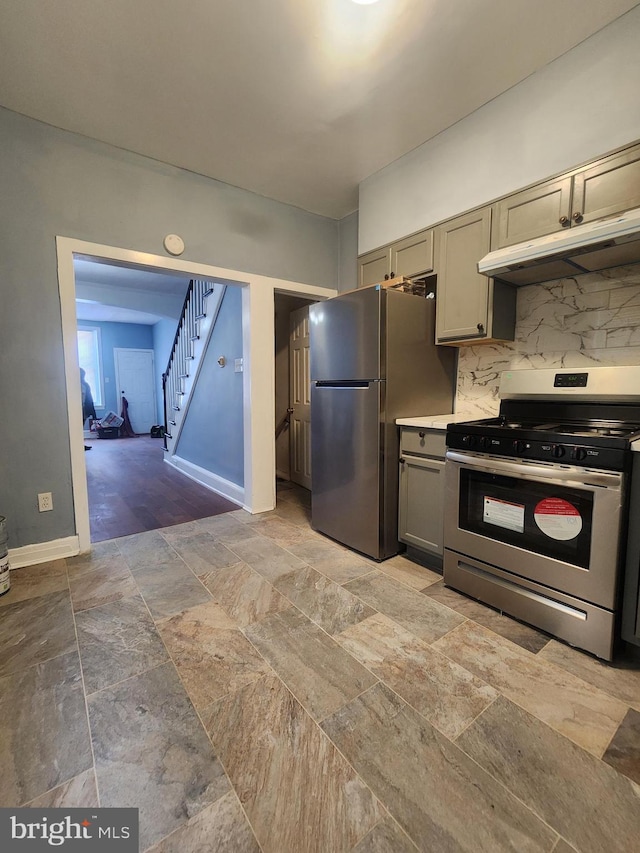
347,383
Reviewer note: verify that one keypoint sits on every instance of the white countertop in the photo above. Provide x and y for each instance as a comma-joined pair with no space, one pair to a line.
635,445
436,421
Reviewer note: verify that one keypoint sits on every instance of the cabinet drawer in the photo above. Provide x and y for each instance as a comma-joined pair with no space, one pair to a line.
423,442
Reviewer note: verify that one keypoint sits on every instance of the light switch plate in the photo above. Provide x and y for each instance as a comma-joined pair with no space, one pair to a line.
238,366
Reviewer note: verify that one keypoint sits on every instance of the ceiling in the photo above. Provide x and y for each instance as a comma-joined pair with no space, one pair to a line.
94,312
298,100
91,271
114,284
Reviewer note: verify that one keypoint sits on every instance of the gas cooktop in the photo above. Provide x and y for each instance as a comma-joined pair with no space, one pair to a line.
545,419
611,429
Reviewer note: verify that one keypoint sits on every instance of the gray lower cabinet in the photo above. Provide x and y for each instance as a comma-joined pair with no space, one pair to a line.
420,521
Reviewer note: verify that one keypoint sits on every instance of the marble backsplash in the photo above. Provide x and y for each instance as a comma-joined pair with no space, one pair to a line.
592,320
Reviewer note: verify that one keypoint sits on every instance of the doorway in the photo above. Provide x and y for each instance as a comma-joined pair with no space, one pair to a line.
126,319
258,296
300,397
292,383
135,382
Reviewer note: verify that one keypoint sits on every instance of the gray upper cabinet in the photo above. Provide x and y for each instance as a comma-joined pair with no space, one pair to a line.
409,257
469,306
535,212
605,188
374,266
413,255
610,186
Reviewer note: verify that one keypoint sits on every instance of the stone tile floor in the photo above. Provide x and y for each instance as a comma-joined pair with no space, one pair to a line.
250,685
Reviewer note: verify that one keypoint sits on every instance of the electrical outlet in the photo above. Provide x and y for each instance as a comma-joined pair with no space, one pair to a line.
45,502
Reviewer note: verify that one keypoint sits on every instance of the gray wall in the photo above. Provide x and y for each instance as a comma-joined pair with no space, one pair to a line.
213,435
348,264
58,183
571,111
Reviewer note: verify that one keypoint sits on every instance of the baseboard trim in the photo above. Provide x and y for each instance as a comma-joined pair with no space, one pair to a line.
217,484
43,552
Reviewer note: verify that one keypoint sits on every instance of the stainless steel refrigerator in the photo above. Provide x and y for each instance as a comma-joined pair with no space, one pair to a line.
373,359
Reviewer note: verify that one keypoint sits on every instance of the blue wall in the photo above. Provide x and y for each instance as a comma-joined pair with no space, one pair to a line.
123,336
57,183
213,433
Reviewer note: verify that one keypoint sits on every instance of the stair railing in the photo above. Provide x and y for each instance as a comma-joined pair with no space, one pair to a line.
193,310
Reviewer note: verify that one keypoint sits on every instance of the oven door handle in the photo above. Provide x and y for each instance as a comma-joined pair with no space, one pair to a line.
525,470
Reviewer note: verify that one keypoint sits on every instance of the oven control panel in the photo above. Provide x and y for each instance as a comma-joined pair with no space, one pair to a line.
570,380
605,458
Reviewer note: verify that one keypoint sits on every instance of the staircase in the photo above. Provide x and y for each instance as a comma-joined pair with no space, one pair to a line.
198,317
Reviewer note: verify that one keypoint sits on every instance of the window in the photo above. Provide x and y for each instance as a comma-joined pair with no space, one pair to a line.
89,358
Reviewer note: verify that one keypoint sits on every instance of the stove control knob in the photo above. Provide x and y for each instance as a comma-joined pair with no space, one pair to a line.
485,443
519,446
469,441
557,450
579,453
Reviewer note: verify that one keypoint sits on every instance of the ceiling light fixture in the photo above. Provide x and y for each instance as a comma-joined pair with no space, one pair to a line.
365,2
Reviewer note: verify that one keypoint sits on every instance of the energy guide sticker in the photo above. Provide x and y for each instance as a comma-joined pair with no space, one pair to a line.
504,514
558,518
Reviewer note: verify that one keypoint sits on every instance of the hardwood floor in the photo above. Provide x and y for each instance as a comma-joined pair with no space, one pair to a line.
131,489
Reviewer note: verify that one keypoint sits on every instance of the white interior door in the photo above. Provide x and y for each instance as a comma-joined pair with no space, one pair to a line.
135,379
300,398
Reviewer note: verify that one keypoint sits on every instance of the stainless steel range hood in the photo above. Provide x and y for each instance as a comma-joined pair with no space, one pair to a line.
595,246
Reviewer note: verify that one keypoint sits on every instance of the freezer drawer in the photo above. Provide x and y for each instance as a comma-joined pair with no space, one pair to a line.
346,464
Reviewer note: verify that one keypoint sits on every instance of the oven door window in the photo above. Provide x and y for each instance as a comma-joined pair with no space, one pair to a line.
549,519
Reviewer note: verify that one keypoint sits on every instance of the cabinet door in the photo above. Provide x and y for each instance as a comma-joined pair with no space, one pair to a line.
373,267
541,210
608,187
462,304
421,499
413,255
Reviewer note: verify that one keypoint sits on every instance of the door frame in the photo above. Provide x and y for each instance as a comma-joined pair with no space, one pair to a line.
116,351
258,359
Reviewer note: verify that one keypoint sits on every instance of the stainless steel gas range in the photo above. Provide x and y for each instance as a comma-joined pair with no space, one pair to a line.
536,501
